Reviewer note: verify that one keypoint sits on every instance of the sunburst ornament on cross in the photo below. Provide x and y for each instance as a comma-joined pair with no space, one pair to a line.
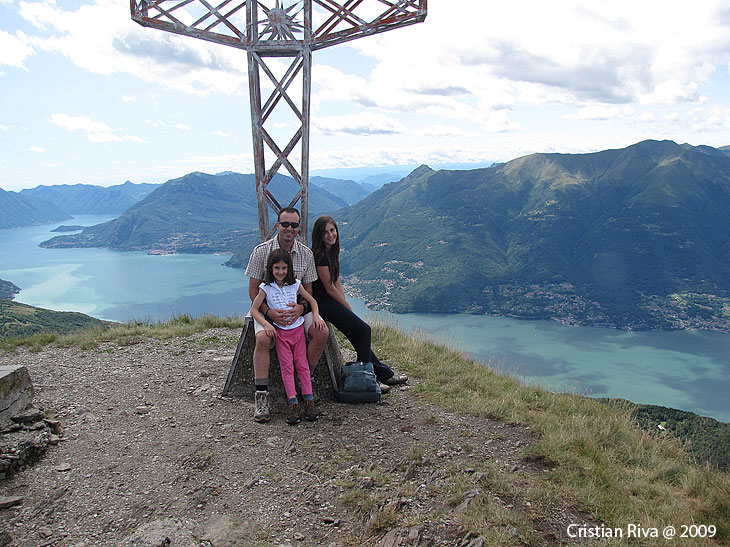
279,28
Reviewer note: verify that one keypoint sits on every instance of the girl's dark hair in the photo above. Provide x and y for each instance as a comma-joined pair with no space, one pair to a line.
320,249
279,255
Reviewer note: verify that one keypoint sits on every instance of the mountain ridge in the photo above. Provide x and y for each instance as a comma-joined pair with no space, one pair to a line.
194,213
18,210
577,237
87,199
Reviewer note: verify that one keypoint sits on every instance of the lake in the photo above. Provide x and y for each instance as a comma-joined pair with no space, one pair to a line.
689,370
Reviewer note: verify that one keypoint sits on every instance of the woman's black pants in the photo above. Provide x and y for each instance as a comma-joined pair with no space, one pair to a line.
356,331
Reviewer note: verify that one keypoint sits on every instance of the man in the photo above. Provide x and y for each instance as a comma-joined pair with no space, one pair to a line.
287,225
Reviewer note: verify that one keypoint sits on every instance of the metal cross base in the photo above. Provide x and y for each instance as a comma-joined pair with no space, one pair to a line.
240,382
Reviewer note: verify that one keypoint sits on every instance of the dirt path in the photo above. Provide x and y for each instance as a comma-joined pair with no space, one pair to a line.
147,437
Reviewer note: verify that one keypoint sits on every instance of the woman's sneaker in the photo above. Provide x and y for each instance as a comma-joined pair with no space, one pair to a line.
293,415
309,412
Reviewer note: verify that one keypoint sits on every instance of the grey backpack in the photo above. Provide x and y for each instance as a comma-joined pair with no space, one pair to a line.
357,383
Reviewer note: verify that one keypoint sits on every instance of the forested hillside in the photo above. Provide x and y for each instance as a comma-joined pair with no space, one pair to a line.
636,237
21,320
8,289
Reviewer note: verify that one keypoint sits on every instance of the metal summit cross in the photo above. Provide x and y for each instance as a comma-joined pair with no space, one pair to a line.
278,29
287,28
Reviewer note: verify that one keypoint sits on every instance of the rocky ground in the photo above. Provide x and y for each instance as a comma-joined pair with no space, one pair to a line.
150,454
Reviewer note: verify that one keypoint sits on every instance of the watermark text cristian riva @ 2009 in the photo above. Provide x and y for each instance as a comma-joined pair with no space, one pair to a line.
639,531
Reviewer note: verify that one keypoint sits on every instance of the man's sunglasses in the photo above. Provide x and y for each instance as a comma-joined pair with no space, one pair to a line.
286,224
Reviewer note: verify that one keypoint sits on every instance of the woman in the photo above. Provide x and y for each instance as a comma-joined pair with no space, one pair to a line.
333,306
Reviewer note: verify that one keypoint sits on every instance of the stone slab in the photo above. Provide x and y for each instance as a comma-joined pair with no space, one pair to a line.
16,392
240,377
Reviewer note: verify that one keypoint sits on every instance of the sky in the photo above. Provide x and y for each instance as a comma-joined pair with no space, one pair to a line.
88,96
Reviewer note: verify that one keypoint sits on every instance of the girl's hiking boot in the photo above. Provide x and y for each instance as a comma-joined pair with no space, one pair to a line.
292,418
309,412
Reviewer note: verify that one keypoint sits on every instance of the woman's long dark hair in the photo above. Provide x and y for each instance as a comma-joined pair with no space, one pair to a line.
279,255
320,249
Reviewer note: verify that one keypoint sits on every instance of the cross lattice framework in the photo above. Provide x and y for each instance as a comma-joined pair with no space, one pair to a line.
279,28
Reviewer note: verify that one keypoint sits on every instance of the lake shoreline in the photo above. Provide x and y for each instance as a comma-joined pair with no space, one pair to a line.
569,321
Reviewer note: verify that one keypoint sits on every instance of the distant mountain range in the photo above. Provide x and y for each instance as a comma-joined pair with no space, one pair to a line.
372,178
636,237
195,213
19,210
348,190
86,199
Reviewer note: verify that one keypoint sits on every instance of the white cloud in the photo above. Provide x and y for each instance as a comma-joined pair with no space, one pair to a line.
712,119
101,38
14,50
36,149
241,163
129,98
436,154
221,133
595,112
363,123
3,128
541,53
96,131
443,131
182,127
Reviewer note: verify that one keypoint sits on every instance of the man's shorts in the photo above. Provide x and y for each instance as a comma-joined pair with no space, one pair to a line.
308,320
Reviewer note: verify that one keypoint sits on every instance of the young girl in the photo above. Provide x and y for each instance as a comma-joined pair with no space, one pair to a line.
279,289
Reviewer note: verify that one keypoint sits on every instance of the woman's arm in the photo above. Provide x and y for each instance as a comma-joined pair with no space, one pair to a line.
335,293
339,286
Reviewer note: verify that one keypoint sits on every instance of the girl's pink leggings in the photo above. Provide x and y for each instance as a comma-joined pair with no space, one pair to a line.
291,347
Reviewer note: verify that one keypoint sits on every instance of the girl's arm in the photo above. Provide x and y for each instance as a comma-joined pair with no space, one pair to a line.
317,320
334,290
256,314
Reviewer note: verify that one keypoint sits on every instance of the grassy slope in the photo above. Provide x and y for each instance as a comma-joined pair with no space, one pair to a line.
19,320
599,460
603,462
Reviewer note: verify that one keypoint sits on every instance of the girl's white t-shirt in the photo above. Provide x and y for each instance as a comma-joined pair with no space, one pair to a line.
278,298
